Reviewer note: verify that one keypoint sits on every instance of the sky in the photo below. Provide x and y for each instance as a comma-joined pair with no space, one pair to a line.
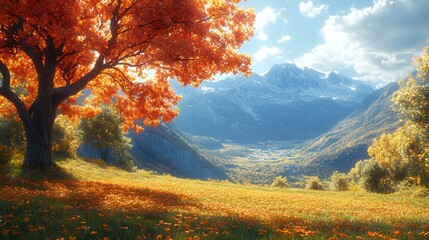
370,40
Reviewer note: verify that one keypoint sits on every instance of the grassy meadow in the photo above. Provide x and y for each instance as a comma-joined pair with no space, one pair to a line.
87,200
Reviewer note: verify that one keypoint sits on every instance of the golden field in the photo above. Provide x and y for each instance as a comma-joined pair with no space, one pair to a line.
87,200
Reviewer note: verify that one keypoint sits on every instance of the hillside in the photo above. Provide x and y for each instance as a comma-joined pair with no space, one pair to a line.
287,103
163,150
94,201
347,142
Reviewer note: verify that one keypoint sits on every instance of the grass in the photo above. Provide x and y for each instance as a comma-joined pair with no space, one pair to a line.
93,201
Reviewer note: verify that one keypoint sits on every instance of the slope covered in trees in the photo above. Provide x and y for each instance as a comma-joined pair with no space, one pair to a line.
404,154
346,143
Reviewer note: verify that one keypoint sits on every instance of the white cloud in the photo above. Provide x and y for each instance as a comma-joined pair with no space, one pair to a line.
262,36
308,9
377,42
285,38
264,17
265,52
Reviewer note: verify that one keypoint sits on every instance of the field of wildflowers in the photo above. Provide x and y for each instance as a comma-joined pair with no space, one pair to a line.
93,201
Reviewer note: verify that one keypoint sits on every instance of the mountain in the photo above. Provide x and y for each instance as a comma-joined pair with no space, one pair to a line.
163,150
287,103
347,142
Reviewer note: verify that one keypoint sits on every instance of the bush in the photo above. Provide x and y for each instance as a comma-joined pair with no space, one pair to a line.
104,133
406,187
355,174
12,138
124,159
64,138
339,182
375,178
421,192
6,154
314,183
280,182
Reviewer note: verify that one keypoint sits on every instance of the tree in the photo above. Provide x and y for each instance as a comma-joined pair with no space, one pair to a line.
65,139
389,149
412,103
405,153
375,178
103,132
339,181
11,138
122,153
313,183
280,182
123,51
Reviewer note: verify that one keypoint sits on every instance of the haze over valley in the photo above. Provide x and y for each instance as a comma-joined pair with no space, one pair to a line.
290,121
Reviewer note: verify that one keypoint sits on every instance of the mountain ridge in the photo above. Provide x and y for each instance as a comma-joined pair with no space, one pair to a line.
164,150
284,104
348,141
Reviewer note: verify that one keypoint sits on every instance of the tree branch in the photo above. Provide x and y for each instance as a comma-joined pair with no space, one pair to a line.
62,93
5,76
11,96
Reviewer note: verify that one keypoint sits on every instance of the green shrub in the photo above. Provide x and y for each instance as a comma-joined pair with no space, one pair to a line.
280,182
421,192
12,138
314,183
64,138
121,152
355,174
6,154
339,182
375,178
104,133
406,186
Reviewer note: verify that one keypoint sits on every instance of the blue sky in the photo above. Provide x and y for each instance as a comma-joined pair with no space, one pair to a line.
373,41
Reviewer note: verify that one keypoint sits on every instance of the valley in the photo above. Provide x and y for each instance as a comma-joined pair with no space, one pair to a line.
256,163
217,120
291,122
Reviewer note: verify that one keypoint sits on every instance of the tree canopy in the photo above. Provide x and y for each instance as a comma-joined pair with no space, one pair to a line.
405,152
123,51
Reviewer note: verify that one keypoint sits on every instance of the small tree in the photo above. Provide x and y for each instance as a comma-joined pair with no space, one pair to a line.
104,133
314,183
355,174
412,105
339,181
12,138
280,182
65,140
375,178
121,152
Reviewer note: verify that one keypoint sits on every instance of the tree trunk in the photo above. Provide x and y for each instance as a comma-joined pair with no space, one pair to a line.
39,135
104,152
39,150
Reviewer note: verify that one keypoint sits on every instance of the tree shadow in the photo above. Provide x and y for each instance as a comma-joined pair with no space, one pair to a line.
128,212
58,185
